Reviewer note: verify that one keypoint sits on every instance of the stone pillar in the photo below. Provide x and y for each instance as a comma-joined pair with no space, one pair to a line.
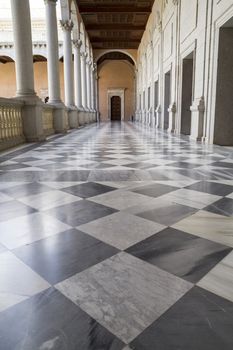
97,96
68,71
88,64
77,74
53,66
78,80
32,110
67,27
83,79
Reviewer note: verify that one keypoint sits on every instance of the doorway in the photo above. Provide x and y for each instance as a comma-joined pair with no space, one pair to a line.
187,94
115,108
167,98
223,130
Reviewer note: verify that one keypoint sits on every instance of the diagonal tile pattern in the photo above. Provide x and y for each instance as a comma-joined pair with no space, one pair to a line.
116,237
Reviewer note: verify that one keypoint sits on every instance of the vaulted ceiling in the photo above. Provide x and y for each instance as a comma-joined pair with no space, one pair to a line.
115,24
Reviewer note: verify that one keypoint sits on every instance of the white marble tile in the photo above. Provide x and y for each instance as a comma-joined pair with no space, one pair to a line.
49,200
181,183
211,226
220,279
27,229
230,195
194,199
17,281
120,199
124,294
60,185
4,198
121,229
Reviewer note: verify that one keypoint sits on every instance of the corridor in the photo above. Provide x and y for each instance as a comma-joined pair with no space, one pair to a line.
116,236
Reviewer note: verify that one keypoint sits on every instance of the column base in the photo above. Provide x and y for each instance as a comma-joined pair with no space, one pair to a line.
73,117
60,118
32,119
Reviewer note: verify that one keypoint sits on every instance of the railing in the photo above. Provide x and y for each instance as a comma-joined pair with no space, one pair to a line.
11,125
47,120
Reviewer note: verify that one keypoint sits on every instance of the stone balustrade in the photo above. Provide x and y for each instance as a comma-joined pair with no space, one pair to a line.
11,124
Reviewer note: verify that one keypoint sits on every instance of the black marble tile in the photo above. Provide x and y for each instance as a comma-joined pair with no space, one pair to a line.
155,190
184,165
180,253
63,255
13,167
140,165
168,215
88,189
223,164
79,213
12,209
211,188
27,189
198,321
26,159
224,206
49,321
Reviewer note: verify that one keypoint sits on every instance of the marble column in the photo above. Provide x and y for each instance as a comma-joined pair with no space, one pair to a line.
67,27
88,64
53,66
77,74
32,110
83,79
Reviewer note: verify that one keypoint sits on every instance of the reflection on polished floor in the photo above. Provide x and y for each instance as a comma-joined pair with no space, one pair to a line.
116,237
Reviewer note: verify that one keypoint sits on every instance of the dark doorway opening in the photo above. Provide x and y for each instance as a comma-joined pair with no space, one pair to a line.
223,130
115,108
187,95
167,98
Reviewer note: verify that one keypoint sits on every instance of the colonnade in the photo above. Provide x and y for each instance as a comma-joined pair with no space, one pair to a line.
79,106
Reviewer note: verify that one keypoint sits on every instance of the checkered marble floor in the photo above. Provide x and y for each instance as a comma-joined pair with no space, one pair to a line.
116,237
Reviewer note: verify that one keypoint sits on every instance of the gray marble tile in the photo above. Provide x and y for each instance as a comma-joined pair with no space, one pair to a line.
220,279
211,226
49,200
17,281
124,294
27,229
120,199
191,198
121,229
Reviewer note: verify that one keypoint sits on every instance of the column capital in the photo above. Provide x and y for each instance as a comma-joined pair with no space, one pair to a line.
84,55
77,43
67,25
50,2
89,61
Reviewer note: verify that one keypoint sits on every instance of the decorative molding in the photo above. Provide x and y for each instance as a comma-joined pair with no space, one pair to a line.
77,43
67,25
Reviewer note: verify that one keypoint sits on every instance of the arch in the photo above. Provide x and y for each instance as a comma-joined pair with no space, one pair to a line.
39,58
6,59
65,9
82,37
75,20
115,50
115,55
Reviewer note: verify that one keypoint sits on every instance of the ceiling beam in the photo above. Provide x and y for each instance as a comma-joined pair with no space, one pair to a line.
115,26
110,40
116,9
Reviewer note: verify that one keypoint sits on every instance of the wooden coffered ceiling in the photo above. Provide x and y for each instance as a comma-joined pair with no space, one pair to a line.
115,24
